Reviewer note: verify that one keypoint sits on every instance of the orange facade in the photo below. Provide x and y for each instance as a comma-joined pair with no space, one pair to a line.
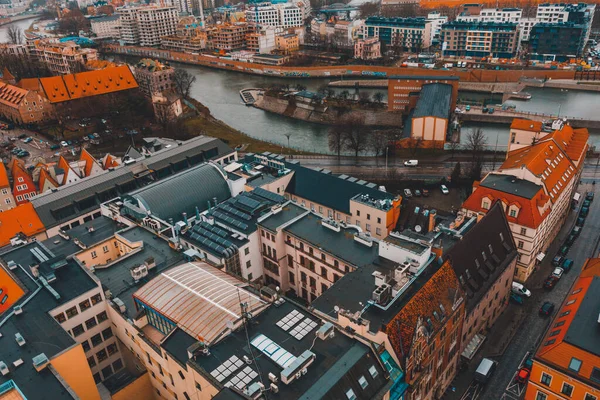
403,91
10,291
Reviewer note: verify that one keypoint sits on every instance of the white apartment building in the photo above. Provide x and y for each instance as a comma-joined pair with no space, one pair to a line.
106,27
183,6
493,15
525,25
551,13
8,8
155,22
129,32
437,20
284,15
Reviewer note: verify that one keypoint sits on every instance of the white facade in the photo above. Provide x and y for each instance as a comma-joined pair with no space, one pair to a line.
552,13
13,8
279,15
525,25
106,27
129,28
437,20
145,26
494,15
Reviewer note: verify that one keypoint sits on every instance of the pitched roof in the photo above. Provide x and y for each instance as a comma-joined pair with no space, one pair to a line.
3,176
477,273
573,333
64,165
109,162
30,84
572,141
442,289
89,161
6,75
11,95
89,83
45,176
23,219
530,198
526,125
434,101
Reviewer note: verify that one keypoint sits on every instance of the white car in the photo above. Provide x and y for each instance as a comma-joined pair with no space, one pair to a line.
407,193
444,189
558,272
517,288
64,144
411,163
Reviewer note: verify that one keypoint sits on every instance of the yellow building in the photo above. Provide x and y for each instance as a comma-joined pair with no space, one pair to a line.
287,43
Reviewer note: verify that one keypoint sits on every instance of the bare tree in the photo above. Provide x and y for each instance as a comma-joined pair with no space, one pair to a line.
368,9
378,97
183,82
356,134
453,146
476,142
364,98
414,144
344,95
15,35
378,141
337,138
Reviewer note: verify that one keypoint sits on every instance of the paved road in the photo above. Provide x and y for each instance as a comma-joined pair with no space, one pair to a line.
529,326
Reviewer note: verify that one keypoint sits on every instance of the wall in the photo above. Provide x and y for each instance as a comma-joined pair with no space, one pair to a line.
554,390
369,219
141,388
100,254
73,368
10,289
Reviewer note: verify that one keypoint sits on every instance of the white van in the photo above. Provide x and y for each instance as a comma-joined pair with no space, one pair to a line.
485,370
519,289
411,163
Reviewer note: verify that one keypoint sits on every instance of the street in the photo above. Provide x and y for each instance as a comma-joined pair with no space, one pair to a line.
523,321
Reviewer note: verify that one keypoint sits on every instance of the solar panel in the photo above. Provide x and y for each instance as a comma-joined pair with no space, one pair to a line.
247,203
214,229
223,371
290,320
243,378
230,220
269,195
303,328
235,212
276,353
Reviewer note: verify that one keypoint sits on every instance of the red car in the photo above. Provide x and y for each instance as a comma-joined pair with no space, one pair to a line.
523,375
550,282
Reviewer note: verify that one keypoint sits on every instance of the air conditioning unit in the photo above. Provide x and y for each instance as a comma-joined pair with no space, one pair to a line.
20,339
274,388
254,391
3,368
40,361
12,265
247,360
119,303
325,330
17,310
273,378
138,272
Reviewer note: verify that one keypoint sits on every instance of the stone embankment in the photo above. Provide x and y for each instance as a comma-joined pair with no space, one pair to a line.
328,115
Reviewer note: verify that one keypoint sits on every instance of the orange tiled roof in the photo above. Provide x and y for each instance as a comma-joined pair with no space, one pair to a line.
64,165
29,84
572,141
11,95
23,219
3,176
526,125
89,161
443,288
45,176
6,75
529,214
90,83
110,162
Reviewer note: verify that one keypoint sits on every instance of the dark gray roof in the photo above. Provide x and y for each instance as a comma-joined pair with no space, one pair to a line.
511,184
328,189
583,331
434,101
338,364
68,202
103,228
477,240
195,187
339,244
427,77
289,212
177,344
105,18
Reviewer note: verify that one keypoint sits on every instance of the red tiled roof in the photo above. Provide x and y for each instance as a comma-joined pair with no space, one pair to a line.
45,176
572,141
526,125
23,219
443,288
3,176
11,95
89,161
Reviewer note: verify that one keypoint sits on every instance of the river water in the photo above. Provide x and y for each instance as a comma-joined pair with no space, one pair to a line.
23,24
219,91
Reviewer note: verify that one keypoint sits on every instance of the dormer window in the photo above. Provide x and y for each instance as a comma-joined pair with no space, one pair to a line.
512,213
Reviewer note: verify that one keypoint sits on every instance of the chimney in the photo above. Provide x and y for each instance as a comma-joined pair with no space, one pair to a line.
197,214
432,215
185,219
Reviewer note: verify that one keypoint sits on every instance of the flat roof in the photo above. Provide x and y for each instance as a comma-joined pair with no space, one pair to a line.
339,244
177,343
429,77
583,331
511,184
289,212
407,244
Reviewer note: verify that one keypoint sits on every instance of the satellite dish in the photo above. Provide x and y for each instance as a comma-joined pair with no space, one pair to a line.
230,325
277,289
336,309
418,228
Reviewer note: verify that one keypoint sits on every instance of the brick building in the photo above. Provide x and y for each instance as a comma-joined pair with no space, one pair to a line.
153,76
404,90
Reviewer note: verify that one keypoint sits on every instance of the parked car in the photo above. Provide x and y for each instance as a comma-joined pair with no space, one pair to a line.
64,144
23,154
580,221
411,163
484,370
550,282
571,239
567,264
547,308
558,272
584,212
586,203
425,192
468,108
407,193
523,375
557,261
55,147
444,189
576,231
27,140
563,250
515,298
520,289
491,110
417,193
589,196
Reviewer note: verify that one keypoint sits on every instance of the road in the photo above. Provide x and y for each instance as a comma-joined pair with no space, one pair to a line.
528,327
38,148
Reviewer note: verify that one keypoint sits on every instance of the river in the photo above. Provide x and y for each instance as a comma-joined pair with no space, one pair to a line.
23,24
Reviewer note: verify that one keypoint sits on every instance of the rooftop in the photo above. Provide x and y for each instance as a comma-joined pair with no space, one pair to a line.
434,101
427,77
21,219
510,184
339,244
288,213
583,330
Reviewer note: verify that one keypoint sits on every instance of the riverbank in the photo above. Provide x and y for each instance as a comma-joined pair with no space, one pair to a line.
326,115
10,20
353,71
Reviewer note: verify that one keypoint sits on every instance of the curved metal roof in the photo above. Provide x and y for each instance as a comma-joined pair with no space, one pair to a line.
184,192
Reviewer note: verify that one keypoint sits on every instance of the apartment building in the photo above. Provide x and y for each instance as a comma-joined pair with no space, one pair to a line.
262,42
565,364
285,15
471,14
108,27
557,41
230,37
61,57
577,14
480,39
7,200
404,90
536,193
22,106
367,49
484,260
184,44
409,34
13,7
153,76
154,23
287,43
437,20
129,32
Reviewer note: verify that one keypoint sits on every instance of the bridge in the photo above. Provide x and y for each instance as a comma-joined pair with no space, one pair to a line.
336,8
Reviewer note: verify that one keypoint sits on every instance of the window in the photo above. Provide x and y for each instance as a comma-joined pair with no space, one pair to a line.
71,312
546,379
486,205
590,397
378,220
96,299
97,378
105,249
567,389
107,371
96,340
90,323
94,255
102,317
112,349
373,371
181,375
91,361
368,227
350,395
85,345
107,333
541,396
378,231
513,213
247,251
84,305
60,318
363,382
523,231
358,213
520,244
291,278
101,355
